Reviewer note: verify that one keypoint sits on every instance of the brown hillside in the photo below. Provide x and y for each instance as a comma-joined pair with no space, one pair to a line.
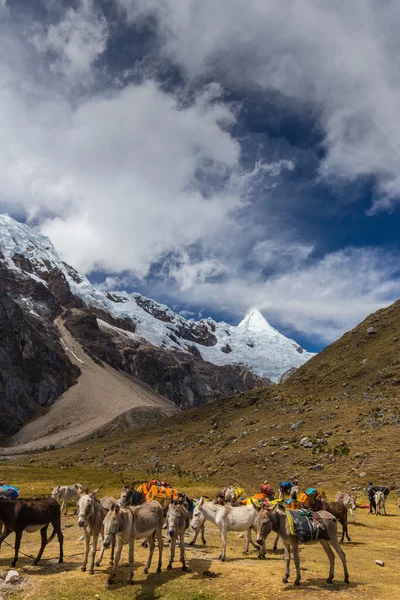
359,362
347,408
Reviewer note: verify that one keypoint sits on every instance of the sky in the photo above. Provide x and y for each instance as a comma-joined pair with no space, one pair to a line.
215,155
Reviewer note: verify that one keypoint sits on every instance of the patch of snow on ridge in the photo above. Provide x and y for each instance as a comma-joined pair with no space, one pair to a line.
253,343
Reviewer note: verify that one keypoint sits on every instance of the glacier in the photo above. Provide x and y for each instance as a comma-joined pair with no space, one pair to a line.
253,343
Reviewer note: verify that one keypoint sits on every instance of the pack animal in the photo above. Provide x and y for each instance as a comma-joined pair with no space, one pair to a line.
65,493
92,513
227,518
277,520
130,524
380,503
31,515
350,502
177,523
337,509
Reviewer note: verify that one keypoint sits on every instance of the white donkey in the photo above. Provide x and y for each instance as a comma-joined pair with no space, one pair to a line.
65,493
380,507
349,500
227,518
92,513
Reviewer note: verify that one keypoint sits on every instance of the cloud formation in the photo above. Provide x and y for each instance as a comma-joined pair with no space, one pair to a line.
129,173
340,60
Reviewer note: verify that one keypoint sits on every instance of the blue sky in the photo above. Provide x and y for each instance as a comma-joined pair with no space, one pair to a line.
213,156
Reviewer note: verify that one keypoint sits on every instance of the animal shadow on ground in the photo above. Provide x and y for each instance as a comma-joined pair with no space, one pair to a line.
197,568
45,567
152,581
315,585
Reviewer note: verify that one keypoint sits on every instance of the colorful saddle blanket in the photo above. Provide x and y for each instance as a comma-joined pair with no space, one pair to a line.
9,491
306,525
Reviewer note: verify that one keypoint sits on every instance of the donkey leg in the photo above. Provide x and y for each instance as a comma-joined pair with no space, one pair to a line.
64,505
131,550
222,556
101,554
116,561
296,558
183,561
86,551
326,546
160,549
335,544
345,530
287,563
203,539
276,542
151,552
43,534
94,550
112,551
5,534
172,551
18,536
196,533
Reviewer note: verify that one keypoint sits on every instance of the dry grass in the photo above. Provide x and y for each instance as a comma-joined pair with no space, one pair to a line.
372,538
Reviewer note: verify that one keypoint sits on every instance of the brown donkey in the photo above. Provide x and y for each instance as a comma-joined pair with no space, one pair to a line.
337,509
277,520
130,524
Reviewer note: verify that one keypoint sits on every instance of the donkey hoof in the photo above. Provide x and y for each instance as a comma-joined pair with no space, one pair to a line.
159,570
285,580
83,569
91,572
60,561
297,582
191,543
169,567
97,563
204,542
146,571
329,580
346,580
130,581
184,568
35,562
110,580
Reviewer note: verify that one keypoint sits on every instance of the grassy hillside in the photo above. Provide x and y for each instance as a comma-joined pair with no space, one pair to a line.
345,400
358,363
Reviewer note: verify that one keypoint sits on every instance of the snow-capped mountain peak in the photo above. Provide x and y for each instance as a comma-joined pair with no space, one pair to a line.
255,322
254,343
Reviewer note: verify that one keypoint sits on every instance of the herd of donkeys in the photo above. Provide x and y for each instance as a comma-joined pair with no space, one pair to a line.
142,511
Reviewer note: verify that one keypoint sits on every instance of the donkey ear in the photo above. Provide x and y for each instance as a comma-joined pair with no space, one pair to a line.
117,508
201,502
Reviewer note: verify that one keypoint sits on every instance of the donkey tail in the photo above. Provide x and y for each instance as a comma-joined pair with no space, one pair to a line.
52,535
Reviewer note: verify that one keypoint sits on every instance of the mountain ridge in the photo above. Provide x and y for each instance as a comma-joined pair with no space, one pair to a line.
254,343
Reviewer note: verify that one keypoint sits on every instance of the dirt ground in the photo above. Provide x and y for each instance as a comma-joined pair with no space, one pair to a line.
101,395
372,538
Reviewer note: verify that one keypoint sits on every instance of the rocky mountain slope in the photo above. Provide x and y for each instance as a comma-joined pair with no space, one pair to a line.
334,423
253,343
38,296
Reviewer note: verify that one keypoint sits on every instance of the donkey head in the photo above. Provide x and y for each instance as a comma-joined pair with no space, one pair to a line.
111,525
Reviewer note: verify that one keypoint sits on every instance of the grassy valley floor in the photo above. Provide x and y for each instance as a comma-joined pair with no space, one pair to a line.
239,577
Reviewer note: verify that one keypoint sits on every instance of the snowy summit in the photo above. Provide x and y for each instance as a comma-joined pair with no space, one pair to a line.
253,343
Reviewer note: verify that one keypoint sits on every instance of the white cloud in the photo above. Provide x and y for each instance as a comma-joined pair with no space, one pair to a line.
340,60
77,40
123,177
321,300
